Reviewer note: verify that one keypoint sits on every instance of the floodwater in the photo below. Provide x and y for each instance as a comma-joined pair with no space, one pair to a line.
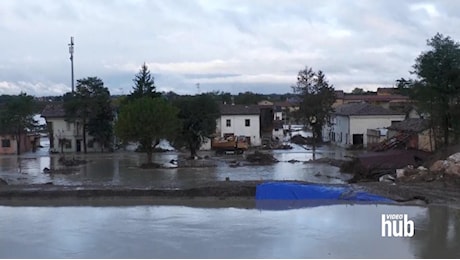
340,231
122,168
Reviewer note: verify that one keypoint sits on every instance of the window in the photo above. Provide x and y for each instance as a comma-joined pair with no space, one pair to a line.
68,144
6,143
229,123
247,122
68,126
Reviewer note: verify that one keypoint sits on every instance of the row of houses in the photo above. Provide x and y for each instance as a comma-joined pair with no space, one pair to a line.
248,121
358,120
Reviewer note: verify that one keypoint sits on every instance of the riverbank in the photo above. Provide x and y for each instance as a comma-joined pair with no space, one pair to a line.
240,194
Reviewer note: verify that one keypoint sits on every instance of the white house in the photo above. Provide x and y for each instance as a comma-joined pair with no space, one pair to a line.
66,136
350,122
240,120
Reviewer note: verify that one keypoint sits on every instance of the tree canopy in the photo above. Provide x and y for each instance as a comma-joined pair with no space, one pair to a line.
317,97
146,120
358,91
197,115
437,86
16,116
144,85
90,107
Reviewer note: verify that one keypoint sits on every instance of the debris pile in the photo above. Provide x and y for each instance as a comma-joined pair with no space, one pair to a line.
450,166
298,139
261,158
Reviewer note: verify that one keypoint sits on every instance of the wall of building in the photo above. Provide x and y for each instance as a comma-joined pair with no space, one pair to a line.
360,124
239,128
26,144
70,132
424,142
339,130
278,134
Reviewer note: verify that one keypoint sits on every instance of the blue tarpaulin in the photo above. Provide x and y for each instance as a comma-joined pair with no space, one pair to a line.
297,191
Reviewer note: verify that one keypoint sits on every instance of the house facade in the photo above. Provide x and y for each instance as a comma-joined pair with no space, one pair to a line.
66,136
27,142
240,120
350,123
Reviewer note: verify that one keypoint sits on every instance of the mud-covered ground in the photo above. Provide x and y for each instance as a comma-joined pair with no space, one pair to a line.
212,194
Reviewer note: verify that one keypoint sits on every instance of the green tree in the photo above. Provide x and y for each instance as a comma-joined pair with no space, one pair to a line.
197,115
248,98
358,91
100,123
144,85
317,97
146,120
437,86
16,116
89,107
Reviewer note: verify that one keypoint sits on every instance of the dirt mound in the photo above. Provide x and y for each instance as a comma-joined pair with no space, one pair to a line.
442,154
330,161
261,158
71,162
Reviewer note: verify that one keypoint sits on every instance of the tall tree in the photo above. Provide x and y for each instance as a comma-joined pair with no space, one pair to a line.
16,116
90,108
317,97
437,86
144,84
100,123
248,98
197,115
146,120
358,91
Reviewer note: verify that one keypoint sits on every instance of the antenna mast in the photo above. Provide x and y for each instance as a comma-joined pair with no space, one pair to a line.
71,61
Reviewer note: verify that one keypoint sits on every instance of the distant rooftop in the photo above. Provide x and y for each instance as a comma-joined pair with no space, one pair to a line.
415,125
54,110
363,109
375,98
239,109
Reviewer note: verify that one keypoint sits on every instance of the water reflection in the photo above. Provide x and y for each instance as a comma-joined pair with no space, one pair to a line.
438,233
340,231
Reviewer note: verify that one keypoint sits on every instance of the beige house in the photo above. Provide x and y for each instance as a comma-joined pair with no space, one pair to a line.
66,136
27,142
350,123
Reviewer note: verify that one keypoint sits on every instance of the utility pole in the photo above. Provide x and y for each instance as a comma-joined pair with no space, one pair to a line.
71,60
198,87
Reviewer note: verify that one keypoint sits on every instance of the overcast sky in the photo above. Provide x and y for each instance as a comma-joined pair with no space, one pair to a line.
232,46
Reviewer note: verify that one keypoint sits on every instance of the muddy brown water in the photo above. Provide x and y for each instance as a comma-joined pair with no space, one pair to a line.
340,231
122,168
335,231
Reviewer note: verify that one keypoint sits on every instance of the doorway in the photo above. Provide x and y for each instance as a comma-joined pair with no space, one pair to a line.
78,146
358,139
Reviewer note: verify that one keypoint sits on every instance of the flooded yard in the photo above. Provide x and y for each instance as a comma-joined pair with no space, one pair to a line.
122,168
214,230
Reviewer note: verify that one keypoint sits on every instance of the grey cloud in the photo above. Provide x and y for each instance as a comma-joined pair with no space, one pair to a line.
354,42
